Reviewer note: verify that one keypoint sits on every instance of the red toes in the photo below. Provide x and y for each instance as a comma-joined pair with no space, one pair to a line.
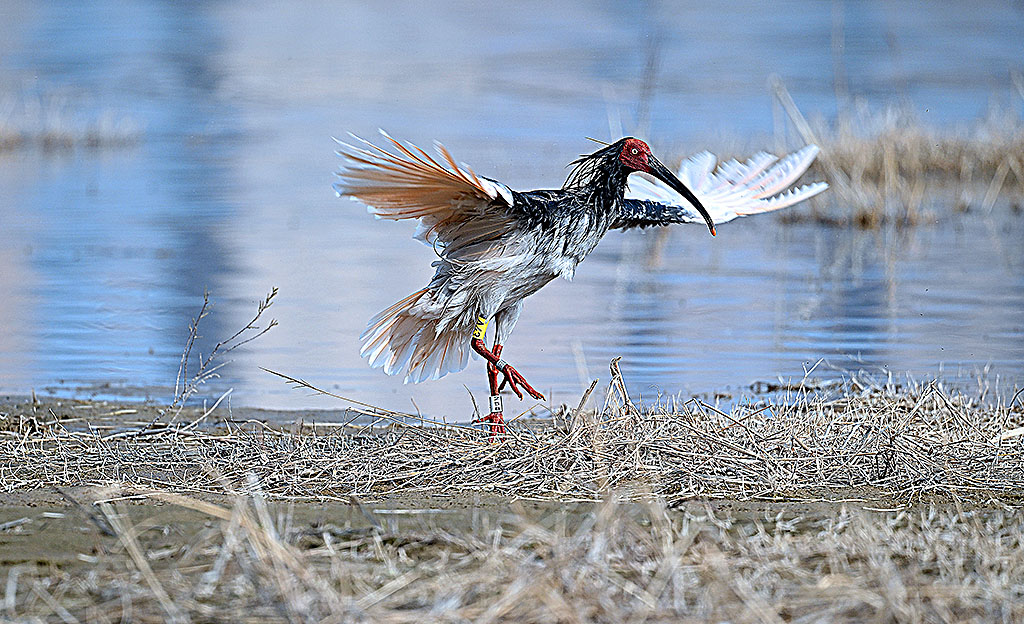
510,379
518,378
514,379
496,420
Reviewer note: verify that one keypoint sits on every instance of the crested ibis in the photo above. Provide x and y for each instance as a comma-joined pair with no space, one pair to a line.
497,246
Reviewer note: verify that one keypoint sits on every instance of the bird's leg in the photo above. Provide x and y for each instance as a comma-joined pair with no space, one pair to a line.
496,417
512,377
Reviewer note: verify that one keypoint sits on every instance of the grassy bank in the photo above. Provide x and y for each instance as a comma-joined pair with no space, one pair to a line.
887,167
892,443
865,502
253,562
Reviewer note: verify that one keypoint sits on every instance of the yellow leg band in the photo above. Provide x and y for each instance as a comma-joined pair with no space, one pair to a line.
481,328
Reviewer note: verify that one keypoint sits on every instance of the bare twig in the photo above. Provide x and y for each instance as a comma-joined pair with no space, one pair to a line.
186,386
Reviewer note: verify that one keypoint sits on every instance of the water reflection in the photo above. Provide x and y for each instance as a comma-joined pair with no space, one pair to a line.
104,255
124,239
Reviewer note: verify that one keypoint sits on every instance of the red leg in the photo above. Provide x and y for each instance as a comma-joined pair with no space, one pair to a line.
496,366
496,417
512,377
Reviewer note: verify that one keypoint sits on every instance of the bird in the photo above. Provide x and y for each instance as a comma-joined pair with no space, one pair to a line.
496,246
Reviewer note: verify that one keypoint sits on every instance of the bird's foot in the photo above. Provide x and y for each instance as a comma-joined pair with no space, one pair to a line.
514,379
495,418
497,423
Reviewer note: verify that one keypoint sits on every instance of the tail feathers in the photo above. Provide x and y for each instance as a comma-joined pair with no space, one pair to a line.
399,339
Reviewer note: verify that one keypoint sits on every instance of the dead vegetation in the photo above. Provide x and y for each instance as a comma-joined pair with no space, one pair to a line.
887,167
205,368
53,123
622,532
614,563
886,442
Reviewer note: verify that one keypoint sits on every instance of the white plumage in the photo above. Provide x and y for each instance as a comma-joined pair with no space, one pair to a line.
735,189
496,246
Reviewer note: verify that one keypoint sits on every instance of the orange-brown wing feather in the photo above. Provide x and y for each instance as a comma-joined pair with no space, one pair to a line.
407,183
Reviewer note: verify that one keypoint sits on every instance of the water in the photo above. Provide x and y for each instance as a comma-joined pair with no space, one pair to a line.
104,255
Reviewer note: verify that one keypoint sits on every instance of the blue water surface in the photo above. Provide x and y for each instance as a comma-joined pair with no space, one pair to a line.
105,253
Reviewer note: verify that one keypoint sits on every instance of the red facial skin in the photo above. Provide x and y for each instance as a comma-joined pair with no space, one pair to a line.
635,154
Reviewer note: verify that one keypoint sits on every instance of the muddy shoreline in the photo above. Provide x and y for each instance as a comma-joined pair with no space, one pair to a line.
814,510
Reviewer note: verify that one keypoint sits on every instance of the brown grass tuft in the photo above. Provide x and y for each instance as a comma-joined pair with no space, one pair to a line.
53,123
611,563
664,558
866,441
887,167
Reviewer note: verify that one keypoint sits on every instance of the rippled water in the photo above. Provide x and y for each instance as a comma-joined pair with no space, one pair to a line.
104,255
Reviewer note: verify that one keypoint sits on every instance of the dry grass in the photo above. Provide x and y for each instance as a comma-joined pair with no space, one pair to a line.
612,564
874,441
888,167
641,546
959,556
52,123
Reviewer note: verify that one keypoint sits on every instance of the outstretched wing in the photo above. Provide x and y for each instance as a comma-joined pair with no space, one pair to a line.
731,190
452,203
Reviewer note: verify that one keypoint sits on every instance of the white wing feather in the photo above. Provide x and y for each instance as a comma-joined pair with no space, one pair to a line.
734,189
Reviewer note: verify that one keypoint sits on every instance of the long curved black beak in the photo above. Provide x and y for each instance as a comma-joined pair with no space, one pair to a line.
662,172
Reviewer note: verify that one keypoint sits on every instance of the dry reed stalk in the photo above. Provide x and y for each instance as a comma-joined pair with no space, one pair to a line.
51,124
861,440
885,167
609,563
185,386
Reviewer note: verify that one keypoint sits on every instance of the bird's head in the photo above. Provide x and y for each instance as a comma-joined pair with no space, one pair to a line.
635,155
612,164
